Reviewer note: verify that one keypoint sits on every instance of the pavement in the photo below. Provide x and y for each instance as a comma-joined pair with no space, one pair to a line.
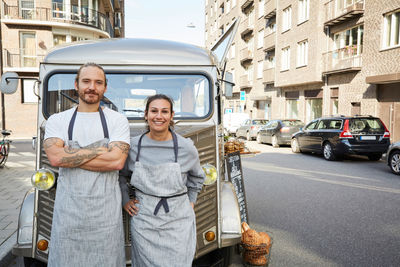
14,183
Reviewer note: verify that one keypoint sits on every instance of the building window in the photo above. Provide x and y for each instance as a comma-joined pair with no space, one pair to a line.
260,69
302,53
334,101
228,6
221,9
287,19
261,8
233,51
271,25
285,58
233,3
260,39
303,10
28,49
28,94
314,108
221,30
292,108
270,59
392,30
59,39
27,10
348,43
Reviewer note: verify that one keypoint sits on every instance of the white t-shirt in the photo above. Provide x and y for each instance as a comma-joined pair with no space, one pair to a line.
87,128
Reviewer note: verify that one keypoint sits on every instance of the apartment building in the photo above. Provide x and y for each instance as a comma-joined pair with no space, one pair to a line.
309,58
29,29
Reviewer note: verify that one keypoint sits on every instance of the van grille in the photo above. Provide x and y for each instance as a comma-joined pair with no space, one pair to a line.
206,207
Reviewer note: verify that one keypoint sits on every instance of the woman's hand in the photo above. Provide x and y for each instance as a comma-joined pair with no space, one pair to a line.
192,204
131,208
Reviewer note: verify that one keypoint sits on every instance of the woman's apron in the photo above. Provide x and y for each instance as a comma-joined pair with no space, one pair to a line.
87,221
164,230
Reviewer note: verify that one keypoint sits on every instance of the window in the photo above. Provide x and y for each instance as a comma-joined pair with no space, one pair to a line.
221,9
28,95
228,6
206,17
271,25
59,39
28,49
311,126
302,53
221,30
285,58
314,108
261,8
27,9
270,59
233,3
260,39
250,73
303,10
233,52
348,43
391,30
292,108
287,19
260,69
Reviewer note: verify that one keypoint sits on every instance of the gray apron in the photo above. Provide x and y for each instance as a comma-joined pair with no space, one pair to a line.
164,230
87,221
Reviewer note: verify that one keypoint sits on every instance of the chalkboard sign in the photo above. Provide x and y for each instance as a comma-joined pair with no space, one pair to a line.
235,176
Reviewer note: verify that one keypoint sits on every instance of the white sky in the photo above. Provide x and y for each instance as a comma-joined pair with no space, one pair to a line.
165,19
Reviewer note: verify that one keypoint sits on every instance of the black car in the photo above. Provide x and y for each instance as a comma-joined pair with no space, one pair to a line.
393,157
336,136
278,132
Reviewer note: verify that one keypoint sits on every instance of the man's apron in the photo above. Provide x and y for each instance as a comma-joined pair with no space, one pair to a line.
87,221
164,230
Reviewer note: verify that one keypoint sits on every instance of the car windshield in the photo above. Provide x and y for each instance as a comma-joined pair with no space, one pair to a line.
127,93
292,123
260,122
366,125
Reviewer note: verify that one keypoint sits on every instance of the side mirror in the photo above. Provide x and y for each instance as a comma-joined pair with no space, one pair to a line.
228,84
9,83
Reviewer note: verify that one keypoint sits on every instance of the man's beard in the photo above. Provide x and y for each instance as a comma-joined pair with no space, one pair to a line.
90,100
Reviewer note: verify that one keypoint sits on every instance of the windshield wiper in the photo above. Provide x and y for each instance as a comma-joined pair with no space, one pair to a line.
134,110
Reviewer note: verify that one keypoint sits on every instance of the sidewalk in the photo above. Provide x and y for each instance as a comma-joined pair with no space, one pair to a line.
14,183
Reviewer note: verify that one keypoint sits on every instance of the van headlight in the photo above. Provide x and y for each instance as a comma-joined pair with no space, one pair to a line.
43,179
211,174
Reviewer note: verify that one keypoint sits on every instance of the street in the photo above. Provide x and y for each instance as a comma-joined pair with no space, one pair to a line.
321,213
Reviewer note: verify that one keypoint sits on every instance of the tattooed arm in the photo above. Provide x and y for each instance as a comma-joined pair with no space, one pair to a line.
67,157
113,160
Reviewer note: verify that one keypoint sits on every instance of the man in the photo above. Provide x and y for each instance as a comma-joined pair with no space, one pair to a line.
89,144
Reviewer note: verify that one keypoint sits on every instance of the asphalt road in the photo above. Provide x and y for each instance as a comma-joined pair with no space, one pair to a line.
320,213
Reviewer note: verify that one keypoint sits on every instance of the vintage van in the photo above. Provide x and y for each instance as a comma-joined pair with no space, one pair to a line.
137,68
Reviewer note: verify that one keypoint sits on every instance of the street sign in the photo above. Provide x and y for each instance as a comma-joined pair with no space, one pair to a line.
228,110
242,96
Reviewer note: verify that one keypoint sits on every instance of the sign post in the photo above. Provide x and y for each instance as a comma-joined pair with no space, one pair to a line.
242,100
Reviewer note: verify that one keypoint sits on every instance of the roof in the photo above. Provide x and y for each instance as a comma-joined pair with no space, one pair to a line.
120,51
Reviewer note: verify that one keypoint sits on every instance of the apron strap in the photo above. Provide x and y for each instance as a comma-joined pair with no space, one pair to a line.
103,123
163,202
174,139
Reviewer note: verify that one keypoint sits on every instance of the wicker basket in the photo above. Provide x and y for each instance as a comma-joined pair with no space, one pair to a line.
256,255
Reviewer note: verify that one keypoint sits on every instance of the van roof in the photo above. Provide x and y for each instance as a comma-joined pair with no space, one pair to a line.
120,51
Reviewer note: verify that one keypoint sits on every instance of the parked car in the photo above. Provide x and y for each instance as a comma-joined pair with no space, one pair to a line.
278,132
232,121
336,136
249,128
393,157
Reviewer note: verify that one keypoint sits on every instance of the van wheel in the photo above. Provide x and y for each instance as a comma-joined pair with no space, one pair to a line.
394,162
248,136
227,254
275,141
294,144
328,152
375,156
30,262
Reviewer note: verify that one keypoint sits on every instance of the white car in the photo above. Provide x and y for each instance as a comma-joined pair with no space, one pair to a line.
232,122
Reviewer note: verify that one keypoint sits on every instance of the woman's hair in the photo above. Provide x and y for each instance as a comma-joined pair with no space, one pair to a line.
156,97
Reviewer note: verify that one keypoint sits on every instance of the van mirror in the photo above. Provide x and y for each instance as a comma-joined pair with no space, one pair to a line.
9,83
228,84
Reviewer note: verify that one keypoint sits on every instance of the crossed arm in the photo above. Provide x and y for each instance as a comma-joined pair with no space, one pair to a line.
94,157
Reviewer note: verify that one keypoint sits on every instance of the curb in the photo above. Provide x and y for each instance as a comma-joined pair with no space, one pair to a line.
6,248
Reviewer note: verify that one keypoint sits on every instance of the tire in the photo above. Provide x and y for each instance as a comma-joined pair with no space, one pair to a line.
30,262
394,162
5,148
294,144
328,152
274,141
375,156
227,254
258,138
248,138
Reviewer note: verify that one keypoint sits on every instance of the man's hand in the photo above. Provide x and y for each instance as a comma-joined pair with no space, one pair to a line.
131,208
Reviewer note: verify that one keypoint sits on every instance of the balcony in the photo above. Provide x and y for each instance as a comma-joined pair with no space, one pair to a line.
245,4
347,59
246,56
269,75
270,8
108,5
335,14
246,27
269,42
59,13
245,82
19,61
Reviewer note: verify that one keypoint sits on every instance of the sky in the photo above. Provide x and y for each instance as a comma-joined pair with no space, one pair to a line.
166,19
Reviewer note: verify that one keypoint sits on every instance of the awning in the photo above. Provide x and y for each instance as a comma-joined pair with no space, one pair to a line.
382,79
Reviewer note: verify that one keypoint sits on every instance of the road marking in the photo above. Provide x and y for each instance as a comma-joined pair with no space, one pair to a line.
309,175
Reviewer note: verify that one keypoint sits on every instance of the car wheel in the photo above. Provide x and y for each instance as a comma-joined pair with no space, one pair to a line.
375,156
294,144
248,136
30,262
259,139
394,162
275,141
328,152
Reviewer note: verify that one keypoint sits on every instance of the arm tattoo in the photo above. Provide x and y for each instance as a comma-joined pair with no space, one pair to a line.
124,147
49,142
78,160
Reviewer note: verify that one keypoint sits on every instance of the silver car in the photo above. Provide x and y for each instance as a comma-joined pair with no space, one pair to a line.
249,128
393,157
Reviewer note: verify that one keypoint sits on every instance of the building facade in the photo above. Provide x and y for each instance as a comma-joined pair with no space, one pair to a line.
29,29
308,58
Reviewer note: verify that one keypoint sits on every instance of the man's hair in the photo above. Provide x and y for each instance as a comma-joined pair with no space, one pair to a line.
156,97
91,64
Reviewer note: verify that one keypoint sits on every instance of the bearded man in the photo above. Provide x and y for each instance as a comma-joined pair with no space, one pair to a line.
89,144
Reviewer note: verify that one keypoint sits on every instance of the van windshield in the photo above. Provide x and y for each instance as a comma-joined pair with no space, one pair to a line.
127,93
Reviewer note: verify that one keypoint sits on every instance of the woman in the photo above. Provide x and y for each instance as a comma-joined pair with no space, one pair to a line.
167,177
